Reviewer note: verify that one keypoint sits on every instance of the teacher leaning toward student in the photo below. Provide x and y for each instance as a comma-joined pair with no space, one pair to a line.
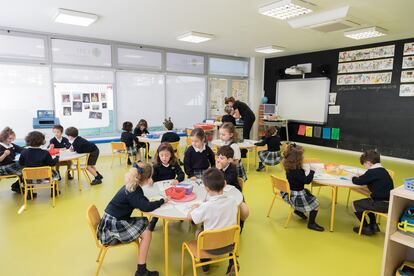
242,111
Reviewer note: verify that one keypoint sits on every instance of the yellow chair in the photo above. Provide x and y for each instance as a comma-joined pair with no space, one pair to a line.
119,150
241,182
365,191
280,185
93,218
13,176
210,240
81,165
365,215
188,138
259,148
176,148
47,182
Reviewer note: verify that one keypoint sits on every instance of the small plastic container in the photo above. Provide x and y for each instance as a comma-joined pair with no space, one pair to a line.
175,192
409,184
54,151
188,188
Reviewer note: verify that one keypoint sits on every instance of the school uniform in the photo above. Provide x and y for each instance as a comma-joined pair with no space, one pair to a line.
163,172
63,143
197,161
37,157
129,138
228,119
301,199
271,156
380,184
9,165
170,137
241,172
139,132
117,225
230,175
81,145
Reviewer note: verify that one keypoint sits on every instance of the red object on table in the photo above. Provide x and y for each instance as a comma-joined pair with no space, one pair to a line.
204,126
175,193
53,152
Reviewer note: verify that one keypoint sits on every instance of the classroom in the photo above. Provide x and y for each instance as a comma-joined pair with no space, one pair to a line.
212,137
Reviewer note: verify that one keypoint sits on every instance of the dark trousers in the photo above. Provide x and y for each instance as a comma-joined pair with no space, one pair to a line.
364,204
247,127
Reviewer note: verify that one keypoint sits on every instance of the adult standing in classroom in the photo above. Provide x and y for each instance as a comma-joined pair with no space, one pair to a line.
242,111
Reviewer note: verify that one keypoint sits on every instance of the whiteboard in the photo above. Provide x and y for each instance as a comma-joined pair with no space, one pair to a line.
304,100
140,96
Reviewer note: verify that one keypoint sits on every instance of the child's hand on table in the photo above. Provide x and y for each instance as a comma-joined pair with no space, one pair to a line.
193,178
166,199
174,182
312,168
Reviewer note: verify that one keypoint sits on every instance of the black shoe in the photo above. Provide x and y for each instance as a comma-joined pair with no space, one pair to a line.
99,176
15,187
316,227
96,181
260,168
375,228
152,224
29,197
70,177
59,177
366,230
300,214
147,273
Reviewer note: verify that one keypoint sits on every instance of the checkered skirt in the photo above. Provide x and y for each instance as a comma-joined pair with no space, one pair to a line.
132,151
302,201
112,230
269,158
13,168
241,172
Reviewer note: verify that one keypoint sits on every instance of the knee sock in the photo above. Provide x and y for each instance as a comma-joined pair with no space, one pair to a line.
312,216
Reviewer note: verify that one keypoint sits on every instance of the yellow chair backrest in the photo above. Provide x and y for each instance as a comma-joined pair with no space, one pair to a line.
84,160
283,147
214,239
391,173
280,184
37,173
241,182
93,218
118,146
311,160
175,145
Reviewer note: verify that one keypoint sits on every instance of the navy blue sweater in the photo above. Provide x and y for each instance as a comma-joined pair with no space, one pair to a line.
297,179
198,160
64,144
37,157
378,181
9,159
129,138
165,173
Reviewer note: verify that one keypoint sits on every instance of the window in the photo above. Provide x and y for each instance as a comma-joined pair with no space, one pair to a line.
21,47
140,58
185,63
229,67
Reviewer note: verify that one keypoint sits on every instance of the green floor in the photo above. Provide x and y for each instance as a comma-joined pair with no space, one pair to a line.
47,241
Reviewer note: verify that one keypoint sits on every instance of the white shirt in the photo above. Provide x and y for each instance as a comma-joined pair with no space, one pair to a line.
6,146
236,149
217,212
375,166
200,150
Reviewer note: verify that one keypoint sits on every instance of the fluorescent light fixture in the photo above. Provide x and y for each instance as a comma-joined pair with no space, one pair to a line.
195,37
320,19
271,49
75,17
366,33
285,9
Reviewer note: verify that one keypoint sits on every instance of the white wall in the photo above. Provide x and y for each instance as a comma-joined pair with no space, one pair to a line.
256,91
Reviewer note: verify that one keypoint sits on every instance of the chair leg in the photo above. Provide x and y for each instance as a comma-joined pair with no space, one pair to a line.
25,197
194,268
101,260
288,218
271,205
20,185
66,179
182,259
319,190
99,255
349,196
364,214
53,195
88,179
236,270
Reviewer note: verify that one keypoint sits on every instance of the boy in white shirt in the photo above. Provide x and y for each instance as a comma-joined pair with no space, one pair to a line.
218,211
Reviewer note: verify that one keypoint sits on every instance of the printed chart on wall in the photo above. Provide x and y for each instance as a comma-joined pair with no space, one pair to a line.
239,90
83,105
218,92
407,76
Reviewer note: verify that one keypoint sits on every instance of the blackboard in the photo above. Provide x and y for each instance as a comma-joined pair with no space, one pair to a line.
372,116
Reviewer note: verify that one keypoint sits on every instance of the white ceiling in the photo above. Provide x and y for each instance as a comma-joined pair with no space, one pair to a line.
237,25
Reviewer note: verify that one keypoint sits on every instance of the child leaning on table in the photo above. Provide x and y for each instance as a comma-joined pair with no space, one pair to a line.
117,225
379,183
218,211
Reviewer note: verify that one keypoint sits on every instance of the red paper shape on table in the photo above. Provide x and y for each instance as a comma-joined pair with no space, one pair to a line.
302,130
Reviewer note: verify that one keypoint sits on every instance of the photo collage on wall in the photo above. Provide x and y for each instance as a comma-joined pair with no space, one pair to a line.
407,76
94,103
374,61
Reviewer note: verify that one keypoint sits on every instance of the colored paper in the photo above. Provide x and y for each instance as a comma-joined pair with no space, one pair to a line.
317,132
302,130
309,131
335,133
326,133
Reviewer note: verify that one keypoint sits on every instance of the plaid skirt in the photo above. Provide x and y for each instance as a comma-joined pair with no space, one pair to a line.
112,230
302,201
132,151
198,173
13,168
269,158
241,172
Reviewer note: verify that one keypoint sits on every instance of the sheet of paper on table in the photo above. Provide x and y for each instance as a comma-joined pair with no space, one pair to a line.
184,208
354,171
324,176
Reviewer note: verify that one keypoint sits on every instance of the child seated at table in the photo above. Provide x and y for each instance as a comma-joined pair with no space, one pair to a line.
129,138
60,142
379,183
271,156
117,225
81,145
218,211
228,118
301,199
170,136
141,129
199,156
165,167
224,158
8,152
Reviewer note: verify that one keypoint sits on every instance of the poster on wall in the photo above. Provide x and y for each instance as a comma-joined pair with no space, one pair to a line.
218,92
409,48
368,53
407,76
408,62
366,66
239,90
81,105
364,79
332,98
407,90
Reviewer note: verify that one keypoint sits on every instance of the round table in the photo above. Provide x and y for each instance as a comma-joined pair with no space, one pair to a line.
66,155
176,211
323,179
246,144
